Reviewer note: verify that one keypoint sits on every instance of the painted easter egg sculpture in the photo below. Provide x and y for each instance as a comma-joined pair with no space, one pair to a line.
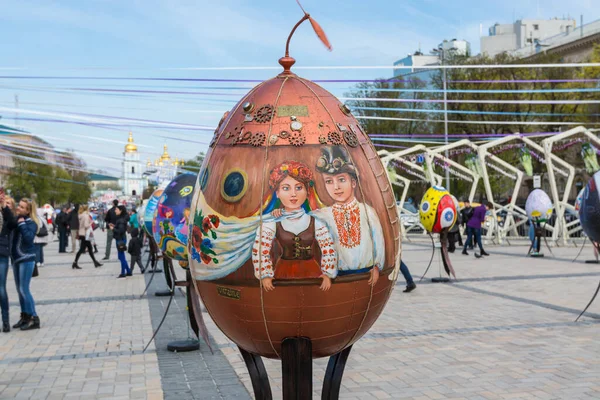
140,216
438,212
589,212
151,205
293,220
170,223
538,206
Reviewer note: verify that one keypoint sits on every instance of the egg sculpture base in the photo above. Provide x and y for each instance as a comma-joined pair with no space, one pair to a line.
296,371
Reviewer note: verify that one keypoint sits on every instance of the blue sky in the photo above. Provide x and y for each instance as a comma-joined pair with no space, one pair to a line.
131,38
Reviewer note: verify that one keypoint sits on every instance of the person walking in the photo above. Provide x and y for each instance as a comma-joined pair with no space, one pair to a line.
466,213
42,238
111,221
85,233
135,250
8,222
410,283
133,220
74,225
474,227
23,259
119,229
62,224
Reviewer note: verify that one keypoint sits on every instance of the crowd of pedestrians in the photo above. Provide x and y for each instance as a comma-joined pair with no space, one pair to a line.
26,229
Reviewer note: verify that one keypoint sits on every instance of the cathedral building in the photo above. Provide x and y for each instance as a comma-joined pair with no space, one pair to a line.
163,169
132,180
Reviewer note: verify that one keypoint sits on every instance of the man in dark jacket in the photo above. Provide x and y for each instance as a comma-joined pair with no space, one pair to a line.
9,223
62,224
110,220
74,225
466,213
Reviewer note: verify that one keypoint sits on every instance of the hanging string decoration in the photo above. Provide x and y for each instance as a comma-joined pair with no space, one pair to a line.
446,167
472,162
543,161
590,158
525,159
500,171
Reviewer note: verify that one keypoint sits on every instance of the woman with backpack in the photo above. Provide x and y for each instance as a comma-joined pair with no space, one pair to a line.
85,233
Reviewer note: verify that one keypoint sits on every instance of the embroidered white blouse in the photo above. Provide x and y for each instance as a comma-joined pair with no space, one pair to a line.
357,234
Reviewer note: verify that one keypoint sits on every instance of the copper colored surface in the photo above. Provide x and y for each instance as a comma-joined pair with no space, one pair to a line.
258,320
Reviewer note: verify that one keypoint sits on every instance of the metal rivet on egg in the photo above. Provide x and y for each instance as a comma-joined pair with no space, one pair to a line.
345,109
248,107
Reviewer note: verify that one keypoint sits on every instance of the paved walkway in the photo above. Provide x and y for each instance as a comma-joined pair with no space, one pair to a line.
504,330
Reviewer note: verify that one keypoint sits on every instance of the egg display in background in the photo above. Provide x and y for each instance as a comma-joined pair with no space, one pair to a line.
539,206
438,210
170,223
140,215
589,212
293,217
151,205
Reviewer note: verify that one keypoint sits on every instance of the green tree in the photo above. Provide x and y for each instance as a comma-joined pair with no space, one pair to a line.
80,189
30,176
195,163
61,189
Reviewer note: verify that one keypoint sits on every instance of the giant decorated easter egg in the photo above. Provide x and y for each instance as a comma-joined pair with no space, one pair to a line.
438,210
538,206
170,224
151,205
293,214
589,212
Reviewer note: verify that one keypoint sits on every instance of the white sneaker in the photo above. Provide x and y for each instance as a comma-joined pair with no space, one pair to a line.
37,265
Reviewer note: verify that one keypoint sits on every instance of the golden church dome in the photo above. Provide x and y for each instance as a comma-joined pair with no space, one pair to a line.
130,147
165,155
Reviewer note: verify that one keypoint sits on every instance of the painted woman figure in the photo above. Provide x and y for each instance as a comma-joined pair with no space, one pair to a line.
296,232
354,226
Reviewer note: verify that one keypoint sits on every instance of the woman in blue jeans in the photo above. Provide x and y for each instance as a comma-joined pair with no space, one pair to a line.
8,224
23,258
120,235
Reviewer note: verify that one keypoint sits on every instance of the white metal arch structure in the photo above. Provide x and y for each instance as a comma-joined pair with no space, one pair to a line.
484,151
438,152
571,227
396,180
402,156
414,169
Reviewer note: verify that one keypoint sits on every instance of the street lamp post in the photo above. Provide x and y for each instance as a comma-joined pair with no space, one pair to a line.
442,54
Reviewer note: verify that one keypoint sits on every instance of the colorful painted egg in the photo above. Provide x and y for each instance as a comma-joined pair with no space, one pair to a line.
438,210
151,205
579,199
538,206
292,215
140,215
170,222
589,212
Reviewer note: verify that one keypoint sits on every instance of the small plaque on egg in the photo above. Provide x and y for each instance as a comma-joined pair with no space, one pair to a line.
288,111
